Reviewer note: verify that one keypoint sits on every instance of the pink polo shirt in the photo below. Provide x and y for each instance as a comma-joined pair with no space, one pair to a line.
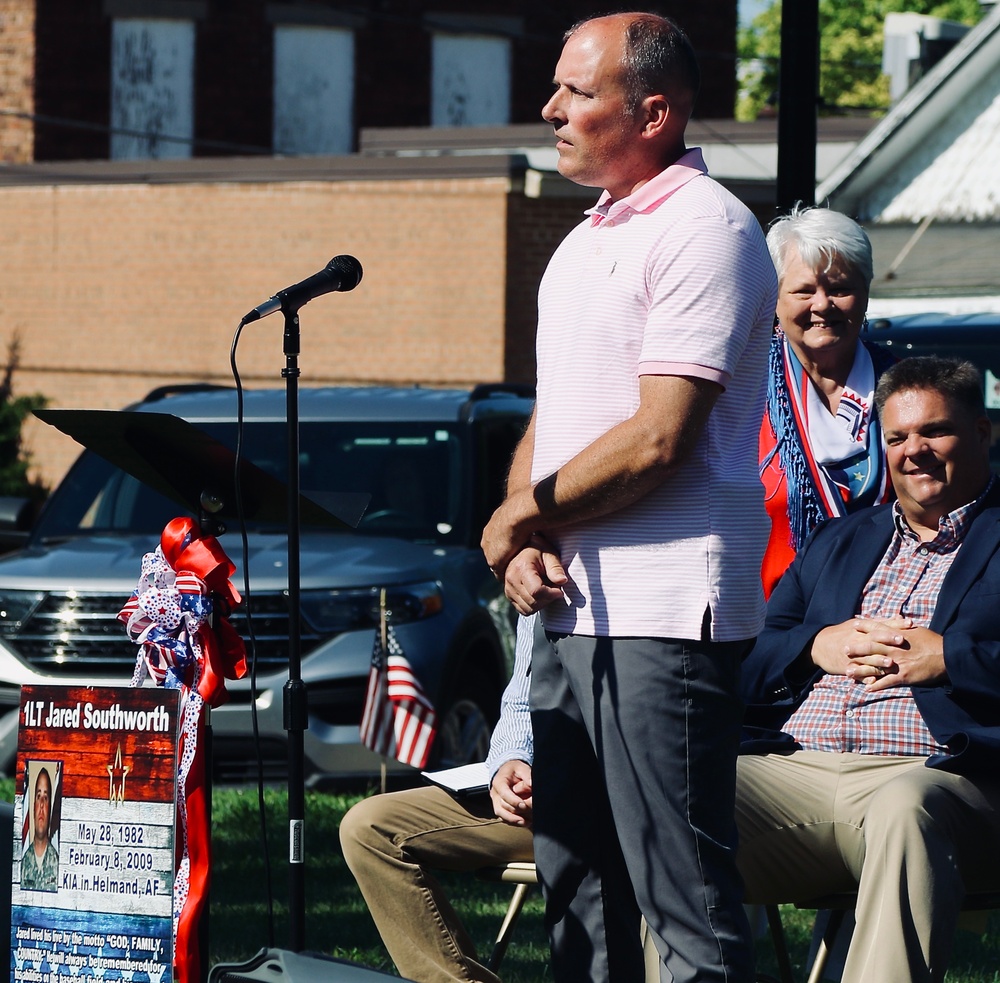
674,279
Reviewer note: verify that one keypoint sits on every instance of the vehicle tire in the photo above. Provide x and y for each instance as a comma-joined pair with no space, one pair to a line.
466,723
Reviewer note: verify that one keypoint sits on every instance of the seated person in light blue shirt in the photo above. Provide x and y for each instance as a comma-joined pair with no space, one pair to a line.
393,843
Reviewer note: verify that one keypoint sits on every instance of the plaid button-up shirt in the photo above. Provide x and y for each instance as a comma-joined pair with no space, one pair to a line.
839,714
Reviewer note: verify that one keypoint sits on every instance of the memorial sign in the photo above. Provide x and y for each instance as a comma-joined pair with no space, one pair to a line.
94,834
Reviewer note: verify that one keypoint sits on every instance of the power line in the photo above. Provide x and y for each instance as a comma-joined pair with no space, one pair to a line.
194,142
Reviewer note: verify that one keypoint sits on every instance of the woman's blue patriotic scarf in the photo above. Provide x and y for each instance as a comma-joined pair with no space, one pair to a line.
805,506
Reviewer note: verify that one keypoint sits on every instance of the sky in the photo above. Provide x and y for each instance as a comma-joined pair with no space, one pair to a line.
749,9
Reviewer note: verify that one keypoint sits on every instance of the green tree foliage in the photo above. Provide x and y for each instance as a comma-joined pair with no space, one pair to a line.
14,460
851,76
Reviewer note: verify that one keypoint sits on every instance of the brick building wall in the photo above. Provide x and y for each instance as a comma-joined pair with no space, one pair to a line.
535,227
116,289
17,79
234,52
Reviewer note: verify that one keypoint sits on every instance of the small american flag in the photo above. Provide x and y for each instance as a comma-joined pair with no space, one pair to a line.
399,720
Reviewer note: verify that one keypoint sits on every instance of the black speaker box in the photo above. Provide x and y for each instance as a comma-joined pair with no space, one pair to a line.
281,966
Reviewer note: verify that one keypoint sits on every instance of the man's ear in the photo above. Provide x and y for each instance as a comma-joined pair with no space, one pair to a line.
658,117
985,428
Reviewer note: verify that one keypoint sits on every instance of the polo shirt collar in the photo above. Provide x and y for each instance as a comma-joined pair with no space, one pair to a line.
654,192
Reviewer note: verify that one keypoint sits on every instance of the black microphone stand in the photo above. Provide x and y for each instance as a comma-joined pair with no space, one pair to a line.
202,481
295,704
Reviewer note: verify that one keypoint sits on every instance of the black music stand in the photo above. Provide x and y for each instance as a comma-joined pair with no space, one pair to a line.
187,465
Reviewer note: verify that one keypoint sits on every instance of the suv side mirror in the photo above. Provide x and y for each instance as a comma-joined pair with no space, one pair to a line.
16,515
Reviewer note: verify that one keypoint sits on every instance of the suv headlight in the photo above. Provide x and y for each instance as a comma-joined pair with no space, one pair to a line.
333,611
16,607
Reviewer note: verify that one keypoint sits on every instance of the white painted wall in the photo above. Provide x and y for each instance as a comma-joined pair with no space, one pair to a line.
955,174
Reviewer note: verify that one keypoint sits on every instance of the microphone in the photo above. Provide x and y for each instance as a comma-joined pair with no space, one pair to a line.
341,273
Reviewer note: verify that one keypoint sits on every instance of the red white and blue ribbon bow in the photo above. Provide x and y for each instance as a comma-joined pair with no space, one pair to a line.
177,615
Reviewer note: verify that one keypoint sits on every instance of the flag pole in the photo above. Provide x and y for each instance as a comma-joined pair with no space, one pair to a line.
399,720
384,635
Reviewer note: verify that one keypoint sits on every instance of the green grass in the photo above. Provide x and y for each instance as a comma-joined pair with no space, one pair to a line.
337,921
338,924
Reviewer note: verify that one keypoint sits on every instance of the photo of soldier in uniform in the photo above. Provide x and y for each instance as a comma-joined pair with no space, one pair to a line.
40,828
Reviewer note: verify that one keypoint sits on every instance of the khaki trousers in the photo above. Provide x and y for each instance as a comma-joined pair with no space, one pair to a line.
393,843
911,840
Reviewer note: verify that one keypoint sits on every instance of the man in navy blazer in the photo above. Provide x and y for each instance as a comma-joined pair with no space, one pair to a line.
871,758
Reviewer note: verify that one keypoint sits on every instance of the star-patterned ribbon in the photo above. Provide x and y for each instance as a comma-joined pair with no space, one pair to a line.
177,615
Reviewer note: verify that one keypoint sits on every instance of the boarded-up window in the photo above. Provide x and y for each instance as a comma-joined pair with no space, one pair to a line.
471,81
152,88
313,90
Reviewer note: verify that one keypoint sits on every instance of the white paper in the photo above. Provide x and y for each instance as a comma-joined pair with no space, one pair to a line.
462,780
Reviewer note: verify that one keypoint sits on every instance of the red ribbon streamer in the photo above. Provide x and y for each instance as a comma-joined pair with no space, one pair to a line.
187,956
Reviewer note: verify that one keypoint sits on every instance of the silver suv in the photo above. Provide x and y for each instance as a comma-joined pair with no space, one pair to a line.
434,462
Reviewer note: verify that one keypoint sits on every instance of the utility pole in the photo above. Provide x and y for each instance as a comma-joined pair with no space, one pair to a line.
798,98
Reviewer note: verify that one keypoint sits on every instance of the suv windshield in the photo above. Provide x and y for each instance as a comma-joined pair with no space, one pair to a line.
411,470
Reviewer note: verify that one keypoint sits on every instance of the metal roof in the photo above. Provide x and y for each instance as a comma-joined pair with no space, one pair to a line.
738,153
944,259
261,170
937,152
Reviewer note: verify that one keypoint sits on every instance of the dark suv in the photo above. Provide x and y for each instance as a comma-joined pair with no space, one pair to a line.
434,462
975,337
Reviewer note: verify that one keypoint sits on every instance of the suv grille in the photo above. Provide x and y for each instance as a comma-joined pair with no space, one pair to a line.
76,633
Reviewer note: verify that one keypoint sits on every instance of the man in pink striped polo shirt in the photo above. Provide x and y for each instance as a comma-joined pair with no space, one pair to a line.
635,520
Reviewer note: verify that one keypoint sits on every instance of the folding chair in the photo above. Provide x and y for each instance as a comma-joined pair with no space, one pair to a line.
524,877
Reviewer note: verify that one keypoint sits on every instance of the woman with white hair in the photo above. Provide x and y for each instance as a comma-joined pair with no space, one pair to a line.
821,447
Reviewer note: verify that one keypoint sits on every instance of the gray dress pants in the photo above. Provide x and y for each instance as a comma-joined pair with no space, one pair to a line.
634,790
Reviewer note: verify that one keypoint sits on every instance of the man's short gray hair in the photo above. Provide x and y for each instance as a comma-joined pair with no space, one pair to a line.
957,380
659,60
822,237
